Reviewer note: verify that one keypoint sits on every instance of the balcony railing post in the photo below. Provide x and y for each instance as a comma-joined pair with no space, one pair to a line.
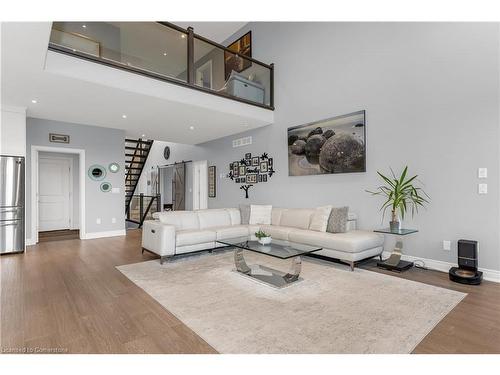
158,203
271,86
141,206
190,56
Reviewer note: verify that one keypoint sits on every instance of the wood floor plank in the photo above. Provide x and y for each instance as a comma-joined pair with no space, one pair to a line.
68,295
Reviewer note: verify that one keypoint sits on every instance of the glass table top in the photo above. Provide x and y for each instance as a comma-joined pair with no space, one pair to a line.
277,248
400,232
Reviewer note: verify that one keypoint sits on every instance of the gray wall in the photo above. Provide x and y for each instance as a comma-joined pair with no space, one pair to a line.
178,153
430,91
102,146
75,163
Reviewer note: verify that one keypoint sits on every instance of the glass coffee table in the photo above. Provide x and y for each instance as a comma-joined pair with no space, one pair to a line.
277,249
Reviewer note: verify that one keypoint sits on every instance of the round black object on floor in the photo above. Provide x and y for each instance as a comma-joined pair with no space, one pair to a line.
464,276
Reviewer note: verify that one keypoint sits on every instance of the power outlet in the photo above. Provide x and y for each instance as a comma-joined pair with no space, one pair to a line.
113,220
98,220
447,245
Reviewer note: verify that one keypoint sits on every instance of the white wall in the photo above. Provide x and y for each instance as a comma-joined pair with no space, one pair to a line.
13,131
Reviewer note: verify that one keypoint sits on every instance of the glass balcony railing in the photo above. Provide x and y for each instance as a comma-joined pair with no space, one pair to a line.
168,52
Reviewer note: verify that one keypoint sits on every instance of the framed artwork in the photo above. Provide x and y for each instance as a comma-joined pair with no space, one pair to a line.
255,161
248,155
334,145
233,61
270,162
263,167
251,178
264,178
243,170
211,181
260,178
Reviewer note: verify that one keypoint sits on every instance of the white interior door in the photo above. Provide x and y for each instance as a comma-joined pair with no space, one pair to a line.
54,194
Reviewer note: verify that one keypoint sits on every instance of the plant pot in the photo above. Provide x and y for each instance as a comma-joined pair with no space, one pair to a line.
395,226
265,240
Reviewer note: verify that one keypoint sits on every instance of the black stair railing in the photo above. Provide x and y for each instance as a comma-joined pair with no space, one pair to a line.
147,205
134,165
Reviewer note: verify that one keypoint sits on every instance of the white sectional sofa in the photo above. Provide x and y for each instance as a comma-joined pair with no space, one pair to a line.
181,232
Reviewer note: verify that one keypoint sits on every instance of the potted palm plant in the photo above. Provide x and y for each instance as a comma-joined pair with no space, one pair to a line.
401,195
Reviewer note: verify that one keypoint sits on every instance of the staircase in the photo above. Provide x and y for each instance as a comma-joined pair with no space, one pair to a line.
136,154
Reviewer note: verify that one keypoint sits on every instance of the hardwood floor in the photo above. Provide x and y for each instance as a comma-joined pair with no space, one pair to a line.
69,295
58,235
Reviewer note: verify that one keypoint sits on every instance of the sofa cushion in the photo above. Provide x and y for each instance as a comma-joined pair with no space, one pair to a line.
193,237
296,217
234,216
319,219
277,231
182,220
276,215
213,218
232,231
260,214
351,242
245,213
337,223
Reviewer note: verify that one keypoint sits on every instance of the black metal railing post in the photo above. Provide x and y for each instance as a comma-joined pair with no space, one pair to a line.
158,203
271,86
141,206
190,56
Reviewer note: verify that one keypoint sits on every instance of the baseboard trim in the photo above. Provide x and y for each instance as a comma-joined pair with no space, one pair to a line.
113,233
439,265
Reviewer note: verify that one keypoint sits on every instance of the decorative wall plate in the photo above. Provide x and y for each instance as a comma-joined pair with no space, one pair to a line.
166,152
106,187
97,172
114,167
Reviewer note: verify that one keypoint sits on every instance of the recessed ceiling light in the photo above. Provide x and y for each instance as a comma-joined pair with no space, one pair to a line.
191,128
34,101
183,36
84,26
164,54
143,135
124,116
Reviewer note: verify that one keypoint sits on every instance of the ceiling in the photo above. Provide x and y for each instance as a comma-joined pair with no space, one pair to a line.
216,31
77,91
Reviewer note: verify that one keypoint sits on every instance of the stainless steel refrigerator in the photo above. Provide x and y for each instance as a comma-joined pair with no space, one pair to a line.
11,204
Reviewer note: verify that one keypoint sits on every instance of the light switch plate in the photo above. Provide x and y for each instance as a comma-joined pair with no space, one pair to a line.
98,220
482,173
482,188
115,191
113,220
446,245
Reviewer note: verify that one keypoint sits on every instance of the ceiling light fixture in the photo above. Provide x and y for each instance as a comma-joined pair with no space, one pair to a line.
164,54
124,116
191,128
142,136
34,101
183,36
84,26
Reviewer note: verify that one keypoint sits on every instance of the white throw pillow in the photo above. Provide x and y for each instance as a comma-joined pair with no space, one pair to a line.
319,219
260,214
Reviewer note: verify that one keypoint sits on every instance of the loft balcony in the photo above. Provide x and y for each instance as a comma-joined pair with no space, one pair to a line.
169,53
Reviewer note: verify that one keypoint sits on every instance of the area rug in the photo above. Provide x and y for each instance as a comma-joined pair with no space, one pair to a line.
333,310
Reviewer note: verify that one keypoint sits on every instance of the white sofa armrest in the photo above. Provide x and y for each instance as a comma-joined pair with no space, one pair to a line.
158,238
